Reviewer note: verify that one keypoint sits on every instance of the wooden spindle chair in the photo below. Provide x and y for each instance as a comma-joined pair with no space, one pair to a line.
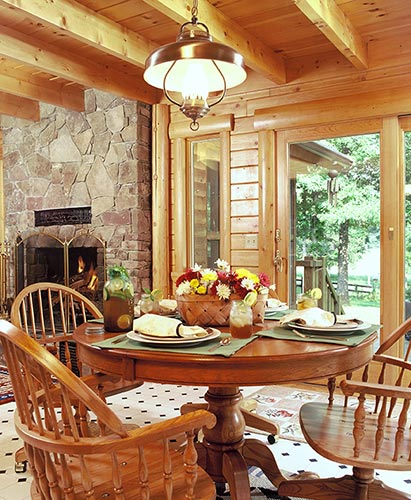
369,432
118,462
49,313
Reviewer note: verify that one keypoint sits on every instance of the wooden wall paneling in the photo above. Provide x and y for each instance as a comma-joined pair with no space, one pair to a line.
405,123
225,197
266,202
241,158
2,206
244,174
244,141
160,199
244,258
243,125
314,90
208,126
354,107
244,208
392,226
244,192
336,129
244,225
244,195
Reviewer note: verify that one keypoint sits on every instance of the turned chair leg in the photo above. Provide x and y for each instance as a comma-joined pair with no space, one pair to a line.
20,461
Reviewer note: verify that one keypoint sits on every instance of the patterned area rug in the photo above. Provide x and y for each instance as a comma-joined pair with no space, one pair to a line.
281,404
6,391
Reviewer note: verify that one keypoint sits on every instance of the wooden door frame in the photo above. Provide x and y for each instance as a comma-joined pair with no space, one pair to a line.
180,136
391,209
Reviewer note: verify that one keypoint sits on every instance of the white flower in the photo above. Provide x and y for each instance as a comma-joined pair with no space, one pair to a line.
196,267
248,284
223,291
183,288
223,265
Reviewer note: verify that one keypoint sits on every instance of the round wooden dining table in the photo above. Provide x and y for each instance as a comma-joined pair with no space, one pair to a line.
224,452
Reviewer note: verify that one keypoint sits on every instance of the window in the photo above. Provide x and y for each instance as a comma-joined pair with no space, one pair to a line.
205,199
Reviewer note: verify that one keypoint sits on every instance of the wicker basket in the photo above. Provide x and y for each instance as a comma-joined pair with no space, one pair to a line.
209,310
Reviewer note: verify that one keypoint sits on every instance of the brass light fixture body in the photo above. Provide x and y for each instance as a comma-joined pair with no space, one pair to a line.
194,66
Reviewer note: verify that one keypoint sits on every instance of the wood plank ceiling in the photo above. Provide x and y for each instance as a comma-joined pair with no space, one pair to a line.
52,50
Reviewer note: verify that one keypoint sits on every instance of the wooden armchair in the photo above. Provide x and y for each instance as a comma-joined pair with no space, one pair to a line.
117,463
49,313
365,438
374,433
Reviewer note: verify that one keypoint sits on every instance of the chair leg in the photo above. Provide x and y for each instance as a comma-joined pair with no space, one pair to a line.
20,461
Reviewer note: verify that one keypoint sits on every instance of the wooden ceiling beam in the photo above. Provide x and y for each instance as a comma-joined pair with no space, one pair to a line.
88,26
30,51
331,20
19,107
51,92
256,55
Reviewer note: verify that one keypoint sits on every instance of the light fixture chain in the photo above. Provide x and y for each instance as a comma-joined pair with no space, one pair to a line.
194,9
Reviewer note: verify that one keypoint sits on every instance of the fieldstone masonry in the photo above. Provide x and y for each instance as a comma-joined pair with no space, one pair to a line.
99,158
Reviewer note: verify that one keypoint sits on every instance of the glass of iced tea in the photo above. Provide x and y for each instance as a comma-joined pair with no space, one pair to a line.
241,320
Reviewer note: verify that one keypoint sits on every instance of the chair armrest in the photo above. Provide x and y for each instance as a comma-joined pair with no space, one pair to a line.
392,360
108,443
349,388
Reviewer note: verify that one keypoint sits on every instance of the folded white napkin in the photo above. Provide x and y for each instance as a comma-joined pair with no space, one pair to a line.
313,316
168,306
154,325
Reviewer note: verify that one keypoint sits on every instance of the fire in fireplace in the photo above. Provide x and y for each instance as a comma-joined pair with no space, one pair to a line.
79,263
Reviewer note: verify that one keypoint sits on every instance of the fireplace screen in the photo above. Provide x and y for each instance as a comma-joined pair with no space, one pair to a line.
79,263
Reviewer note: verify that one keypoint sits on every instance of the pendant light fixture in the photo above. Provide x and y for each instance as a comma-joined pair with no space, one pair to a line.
194,66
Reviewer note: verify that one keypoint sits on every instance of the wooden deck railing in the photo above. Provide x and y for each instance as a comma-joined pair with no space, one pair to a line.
316,276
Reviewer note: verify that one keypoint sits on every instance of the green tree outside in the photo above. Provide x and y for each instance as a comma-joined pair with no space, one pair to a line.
345,231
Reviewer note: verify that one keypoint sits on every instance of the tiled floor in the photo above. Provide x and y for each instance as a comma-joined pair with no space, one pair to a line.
150,403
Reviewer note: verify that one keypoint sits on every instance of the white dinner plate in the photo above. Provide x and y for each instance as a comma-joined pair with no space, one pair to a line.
349,327
173,342
281,307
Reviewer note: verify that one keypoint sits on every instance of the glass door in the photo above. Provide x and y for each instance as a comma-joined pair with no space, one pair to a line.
334,196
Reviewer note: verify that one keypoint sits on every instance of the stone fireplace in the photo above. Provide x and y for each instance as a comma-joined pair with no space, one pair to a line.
99,159
79,263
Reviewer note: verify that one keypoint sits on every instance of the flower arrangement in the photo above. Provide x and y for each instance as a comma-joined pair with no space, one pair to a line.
221,282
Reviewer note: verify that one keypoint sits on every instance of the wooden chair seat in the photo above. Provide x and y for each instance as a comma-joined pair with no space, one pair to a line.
372,434
118,463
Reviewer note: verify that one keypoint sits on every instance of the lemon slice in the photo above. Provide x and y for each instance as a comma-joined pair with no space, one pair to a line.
124,321
316,293
251,298
157,294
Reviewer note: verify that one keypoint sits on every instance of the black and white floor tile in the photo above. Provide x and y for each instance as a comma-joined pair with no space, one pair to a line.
152,402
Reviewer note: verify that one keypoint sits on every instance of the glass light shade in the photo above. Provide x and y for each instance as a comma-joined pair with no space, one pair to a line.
194,66
155,74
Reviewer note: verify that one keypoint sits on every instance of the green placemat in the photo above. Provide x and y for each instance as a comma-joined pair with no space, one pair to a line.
211,347
352,339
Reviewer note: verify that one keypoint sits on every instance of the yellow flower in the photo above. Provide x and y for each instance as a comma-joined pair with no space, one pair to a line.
209,276
201,290
245,273
194,283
